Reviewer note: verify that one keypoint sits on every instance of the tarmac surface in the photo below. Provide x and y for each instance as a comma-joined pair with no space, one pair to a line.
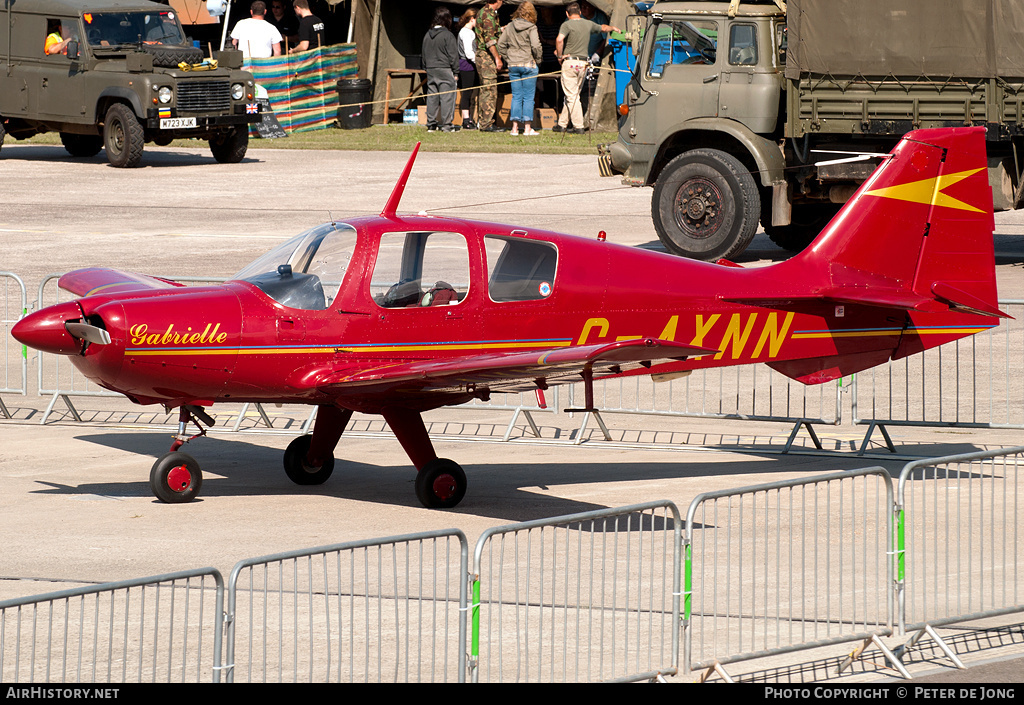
76,506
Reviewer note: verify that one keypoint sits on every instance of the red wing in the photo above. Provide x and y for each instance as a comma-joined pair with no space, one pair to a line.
509,372
99,280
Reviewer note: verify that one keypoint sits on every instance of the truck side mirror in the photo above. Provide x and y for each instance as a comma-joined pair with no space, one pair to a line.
73,50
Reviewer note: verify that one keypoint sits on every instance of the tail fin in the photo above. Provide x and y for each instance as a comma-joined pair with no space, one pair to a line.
918,233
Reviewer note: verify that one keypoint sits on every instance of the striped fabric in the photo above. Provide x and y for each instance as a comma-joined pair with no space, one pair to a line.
303,87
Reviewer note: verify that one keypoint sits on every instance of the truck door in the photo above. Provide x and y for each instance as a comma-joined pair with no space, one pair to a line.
751,82
682,67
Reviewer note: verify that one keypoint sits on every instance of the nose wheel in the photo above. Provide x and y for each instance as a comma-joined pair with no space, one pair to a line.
441,484
175,478
297,467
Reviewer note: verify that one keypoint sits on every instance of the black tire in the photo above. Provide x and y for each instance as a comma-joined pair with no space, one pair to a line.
3,132
230,147
170,56
808,221
175,478
123,137
441,484
295,463
705,205
81,145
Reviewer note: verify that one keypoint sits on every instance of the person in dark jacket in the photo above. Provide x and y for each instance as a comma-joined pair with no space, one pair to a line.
441,62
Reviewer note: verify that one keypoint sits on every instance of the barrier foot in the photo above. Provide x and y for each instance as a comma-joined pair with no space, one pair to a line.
867,437
529,420
943,646
889,656
717,668
3,409
796,429
309,421
586,420
67,400
245,410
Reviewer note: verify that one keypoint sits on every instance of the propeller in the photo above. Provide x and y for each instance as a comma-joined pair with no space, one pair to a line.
88,332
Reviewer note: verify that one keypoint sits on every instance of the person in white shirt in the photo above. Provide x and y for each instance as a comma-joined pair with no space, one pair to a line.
256,37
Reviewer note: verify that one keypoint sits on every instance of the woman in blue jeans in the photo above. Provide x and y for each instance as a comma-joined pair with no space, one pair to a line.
520,45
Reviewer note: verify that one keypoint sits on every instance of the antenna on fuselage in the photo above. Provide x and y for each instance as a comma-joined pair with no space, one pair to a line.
391,207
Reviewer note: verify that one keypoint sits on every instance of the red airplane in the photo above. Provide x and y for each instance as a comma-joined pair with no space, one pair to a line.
396,315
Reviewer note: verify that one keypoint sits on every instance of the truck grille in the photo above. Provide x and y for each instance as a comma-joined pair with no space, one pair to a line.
204,96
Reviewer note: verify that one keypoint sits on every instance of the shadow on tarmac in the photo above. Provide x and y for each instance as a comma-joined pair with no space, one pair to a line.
506,491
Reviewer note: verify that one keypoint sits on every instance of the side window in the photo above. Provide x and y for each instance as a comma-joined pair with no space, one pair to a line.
743,45
519,269
782,41
58,33
682,43
420,269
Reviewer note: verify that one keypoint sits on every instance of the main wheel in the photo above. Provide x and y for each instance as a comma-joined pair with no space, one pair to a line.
3,131
81,145
441,484
295,463
705,205
230,147
123,136
175,478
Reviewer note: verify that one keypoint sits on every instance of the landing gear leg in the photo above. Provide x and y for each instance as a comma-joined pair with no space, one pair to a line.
309,459
176,477
440,483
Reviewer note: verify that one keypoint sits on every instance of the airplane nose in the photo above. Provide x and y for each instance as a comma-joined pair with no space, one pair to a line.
45,329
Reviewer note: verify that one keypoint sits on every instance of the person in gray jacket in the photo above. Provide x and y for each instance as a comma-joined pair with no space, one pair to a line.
520,45
441,61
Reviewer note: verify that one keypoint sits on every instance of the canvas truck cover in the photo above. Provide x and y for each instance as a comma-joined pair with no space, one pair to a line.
935,38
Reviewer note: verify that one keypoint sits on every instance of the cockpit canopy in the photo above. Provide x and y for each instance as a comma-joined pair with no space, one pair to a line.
306,271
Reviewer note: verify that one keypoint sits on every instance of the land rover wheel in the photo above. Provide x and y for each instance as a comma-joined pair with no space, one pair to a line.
123,136
81,145
230,147
705,205
3,132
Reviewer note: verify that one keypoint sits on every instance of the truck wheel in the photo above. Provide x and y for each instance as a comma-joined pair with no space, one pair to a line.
808,221
230,147
81,145
123,136
705,205
3,132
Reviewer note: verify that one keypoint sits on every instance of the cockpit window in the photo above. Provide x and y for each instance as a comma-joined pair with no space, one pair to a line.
305,272
519,269
112,29
420,269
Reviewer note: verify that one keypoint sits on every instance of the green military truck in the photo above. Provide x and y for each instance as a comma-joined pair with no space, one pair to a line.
121,74
731,107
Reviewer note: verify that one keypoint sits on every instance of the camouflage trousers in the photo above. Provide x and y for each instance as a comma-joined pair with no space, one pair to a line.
487,102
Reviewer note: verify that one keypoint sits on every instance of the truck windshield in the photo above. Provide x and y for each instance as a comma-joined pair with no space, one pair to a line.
116,28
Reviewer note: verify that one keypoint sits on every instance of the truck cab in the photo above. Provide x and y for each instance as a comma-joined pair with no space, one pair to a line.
703,116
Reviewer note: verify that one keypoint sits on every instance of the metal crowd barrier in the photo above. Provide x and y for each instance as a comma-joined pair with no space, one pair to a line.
974,382
161,629
743,392
960,547
365,611
784,566
13,305
586,597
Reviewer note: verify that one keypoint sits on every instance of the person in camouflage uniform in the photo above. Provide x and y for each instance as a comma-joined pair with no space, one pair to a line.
488,64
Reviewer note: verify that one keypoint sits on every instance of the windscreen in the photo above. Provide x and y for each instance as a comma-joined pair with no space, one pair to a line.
305,272
116,28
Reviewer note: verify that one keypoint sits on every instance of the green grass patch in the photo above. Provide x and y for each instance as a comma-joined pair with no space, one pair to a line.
401,138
